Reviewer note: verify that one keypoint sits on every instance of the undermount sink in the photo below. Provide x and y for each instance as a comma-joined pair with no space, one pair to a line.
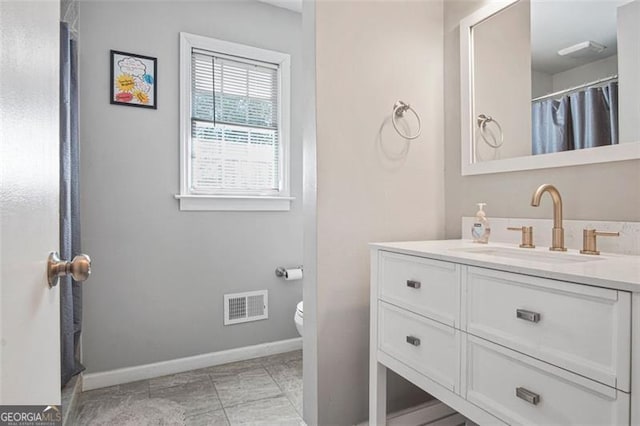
527,254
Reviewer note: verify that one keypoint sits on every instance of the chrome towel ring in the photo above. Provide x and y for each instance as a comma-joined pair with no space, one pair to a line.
399,108
483,120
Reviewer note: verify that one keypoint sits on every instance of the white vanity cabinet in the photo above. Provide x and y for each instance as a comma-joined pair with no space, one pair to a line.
498,346
583,329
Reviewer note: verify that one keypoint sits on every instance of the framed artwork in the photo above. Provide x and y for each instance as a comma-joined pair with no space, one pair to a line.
134,80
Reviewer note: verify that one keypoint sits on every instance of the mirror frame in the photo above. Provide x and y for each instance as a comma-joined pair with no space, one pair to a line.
618,152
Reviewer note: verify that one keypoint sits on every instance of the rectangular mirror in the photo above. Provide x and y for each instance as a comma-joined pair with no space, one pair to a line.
550,84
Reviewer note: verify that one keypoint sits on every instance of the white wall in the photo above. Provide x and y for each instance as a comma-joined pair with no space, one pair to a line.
309,193
159,274
541,83
607,191
371,184
502,80
629,71
585,73
69,12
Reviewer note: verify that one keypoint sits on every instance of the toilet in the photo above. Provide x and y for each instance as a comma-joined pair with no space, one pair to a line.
298,318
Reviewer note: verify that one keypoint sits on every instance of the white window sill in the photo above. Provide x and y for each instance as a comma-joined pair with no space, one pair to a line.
233,203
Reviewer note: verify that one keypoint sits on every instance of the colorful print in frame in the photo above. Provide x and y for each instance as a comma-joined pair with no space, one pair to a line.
134,80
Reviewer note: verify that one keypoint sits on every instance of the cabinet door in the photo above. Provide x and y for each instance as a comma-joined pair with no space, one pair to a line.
522,390
431,348
581,328
424,286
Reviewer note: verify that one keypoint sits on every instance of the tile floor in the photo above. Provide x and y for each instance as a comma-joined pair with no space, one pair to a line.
260,391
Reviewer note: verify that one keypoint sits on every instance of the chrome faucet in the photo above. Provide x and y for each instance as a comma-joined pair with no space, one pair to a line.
557,243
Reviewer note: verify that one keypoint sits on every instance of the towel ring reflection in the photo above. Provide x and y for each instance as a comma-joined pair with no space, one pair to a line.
399,108
483,120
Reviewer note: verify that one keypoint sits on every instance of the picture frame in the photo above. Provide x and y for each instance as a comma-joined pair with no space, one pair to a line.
134,80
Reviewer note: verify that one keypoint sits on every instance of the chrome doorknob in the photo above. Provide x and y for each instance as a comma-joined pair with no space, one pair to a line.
79,268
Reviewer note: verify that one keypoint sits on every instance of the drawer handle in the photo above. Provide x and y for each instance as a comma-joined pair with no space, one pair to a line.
526,395
413,341
527,315
413,284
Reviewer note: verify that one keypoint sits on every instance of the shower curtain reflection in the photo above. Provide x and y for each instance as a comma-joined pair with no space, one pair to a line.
584,119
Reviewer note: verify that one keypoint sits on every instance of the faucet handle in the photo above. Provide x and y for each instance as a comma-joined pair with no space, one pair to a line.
527,235
589,240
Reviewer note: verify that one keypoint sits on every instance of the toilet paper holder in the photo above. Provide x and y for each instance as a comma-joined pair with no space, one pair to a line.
282,271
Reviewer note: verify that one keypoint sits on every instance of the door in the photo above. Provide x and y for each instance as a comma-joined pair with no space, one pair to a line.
29,205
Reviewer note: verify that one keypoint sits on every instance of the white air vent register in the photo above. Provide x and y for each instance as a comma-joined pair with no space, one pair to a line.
245,307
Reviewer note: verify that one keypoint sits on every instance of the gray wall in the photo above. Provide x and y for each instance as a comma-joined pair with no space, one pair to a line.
372,185
608,191
159,274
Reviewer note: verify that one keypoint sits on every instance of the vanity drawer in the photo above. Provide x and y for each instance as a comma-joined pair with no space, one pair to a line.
424,286
581,328
427,346
522,390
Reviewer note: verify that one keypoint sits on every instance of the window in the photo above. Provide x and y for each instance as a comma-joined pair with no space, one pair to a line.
234,107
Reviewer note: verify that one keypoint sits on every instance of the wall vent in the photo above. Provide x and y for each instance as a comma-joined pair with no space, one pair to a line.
245,307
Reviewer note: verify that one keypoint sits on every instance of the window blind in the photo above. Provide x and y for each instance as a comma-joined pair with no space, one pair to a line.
235,146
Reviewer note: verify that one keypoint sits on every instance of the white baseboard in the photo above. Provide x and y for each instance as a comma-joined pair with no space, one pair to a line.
158,369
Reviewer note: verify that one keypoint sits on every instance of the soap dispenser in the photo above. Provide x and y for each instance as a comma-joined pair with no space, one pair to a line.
480,230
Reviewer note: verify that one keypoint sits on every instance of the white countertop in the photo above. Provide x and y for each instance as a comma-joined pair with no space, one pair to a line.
620,272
